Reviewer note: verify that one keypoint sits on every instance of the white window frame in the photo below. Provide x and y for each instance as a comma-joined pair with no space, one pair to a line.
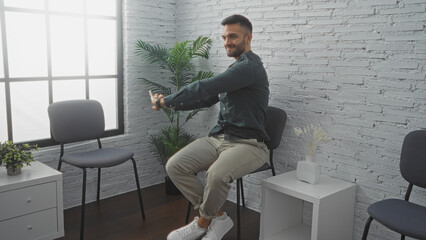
6,79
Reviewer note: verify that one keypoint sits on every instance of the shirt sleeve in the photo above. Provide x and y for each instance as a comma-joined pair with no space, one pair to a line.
194,104
236,77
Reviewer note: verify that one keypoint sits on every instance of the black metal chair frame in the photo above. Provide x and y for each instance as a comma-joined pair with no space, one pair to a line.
83,194
277,134
406,170
370,219
83,200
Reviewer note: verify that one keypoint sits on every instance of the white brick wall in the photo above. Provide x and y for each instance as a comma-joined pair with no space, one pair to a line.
356,68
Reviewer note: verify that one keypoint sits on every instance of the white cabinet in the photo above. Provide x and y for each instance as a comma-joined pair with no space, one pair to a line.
281,216
31,204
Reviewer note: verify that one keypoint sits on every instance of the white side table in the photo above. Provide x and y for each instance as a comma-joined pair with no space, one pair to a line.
282,208
31,204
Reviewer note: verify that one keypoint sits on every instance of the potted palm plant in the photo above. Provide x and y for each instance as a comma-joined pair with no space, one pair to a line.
177,60
15,156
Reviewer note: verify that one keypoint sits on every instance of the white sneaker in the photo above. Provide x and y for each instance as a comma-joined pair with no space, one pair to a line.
189,232
218,227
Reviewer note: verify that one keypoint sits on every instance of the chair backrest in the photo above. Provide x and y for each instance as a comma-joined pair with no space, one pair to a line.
76,120
413,158
275,122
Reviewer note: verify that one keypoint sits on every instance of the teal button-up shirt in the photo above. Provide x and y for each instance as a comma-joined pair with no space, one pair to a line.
243,92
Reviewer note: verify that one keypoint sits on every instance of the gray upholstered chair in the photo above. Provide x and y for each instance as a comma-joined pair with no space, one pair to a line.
81,120
275,122
402,216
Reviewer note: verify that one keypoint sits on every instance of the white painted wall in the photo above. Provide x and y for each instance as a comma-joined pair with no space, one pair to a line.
356,68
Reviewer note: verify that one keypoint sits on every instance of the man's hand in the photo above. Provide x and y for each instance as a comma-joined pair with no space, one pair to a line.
154,98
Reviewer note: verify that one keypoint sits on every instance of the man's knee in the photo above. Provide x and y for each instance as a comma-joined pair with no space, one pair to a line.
171,166
217,178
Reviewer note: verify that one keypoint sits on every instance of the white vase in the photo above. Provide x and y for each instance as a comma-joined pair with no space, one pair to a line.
308,171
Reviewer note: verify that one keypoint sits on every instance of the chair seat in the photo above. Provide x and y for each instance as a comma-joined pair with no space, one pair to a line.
401,216
265,166
99,158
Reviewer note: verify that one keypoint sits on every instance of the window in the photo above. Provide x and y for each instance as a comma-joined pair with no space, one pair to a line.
54,50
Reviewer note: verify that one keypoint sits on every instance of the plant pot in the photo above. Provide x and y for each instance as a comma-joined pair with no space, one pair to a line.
171,188
10,171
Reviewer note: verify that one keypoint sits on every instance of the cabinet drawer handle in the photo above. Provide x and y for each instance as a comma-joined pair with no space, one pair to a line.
28,200
30,227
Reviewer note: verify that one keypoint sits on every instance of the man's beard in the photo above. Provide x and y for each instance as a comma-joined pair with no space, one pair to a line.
238,50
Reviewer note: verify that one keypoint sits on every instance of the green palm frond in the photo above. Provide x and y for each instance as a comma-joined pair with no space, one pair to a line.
153,54
202,75
179,56
201,47
185,78
171,139
156,87
159,147
171,114
181,79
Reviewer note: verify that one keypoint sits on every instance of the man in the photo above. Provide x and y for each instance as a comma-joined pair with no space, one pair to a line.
235,146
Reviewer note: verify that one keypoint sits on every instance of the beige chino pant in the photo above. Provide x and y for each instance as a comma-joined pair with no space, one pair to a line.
224,160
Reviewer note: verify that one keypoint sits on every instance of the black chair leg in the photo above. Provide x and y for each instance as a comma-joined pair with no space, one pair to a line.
99,185
59,165
402,237
139,188
271,156
83,205
366,228
242,192
188,212
238,210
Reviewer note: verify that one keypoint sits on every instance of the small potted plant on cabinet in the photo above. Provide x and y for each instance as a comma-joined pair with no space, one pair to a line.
15,156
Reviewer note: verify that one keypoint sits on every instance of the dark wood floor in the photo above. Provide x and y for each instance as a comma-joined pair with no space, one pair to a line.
119,217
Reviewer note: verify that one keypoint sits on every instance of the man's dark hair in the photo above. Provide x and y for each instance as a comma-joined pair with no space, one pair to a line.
243,21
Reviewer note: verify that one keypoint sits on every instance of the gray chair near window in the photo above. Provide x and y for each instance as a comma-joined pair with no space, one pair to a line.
275,122
80,120
402,216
